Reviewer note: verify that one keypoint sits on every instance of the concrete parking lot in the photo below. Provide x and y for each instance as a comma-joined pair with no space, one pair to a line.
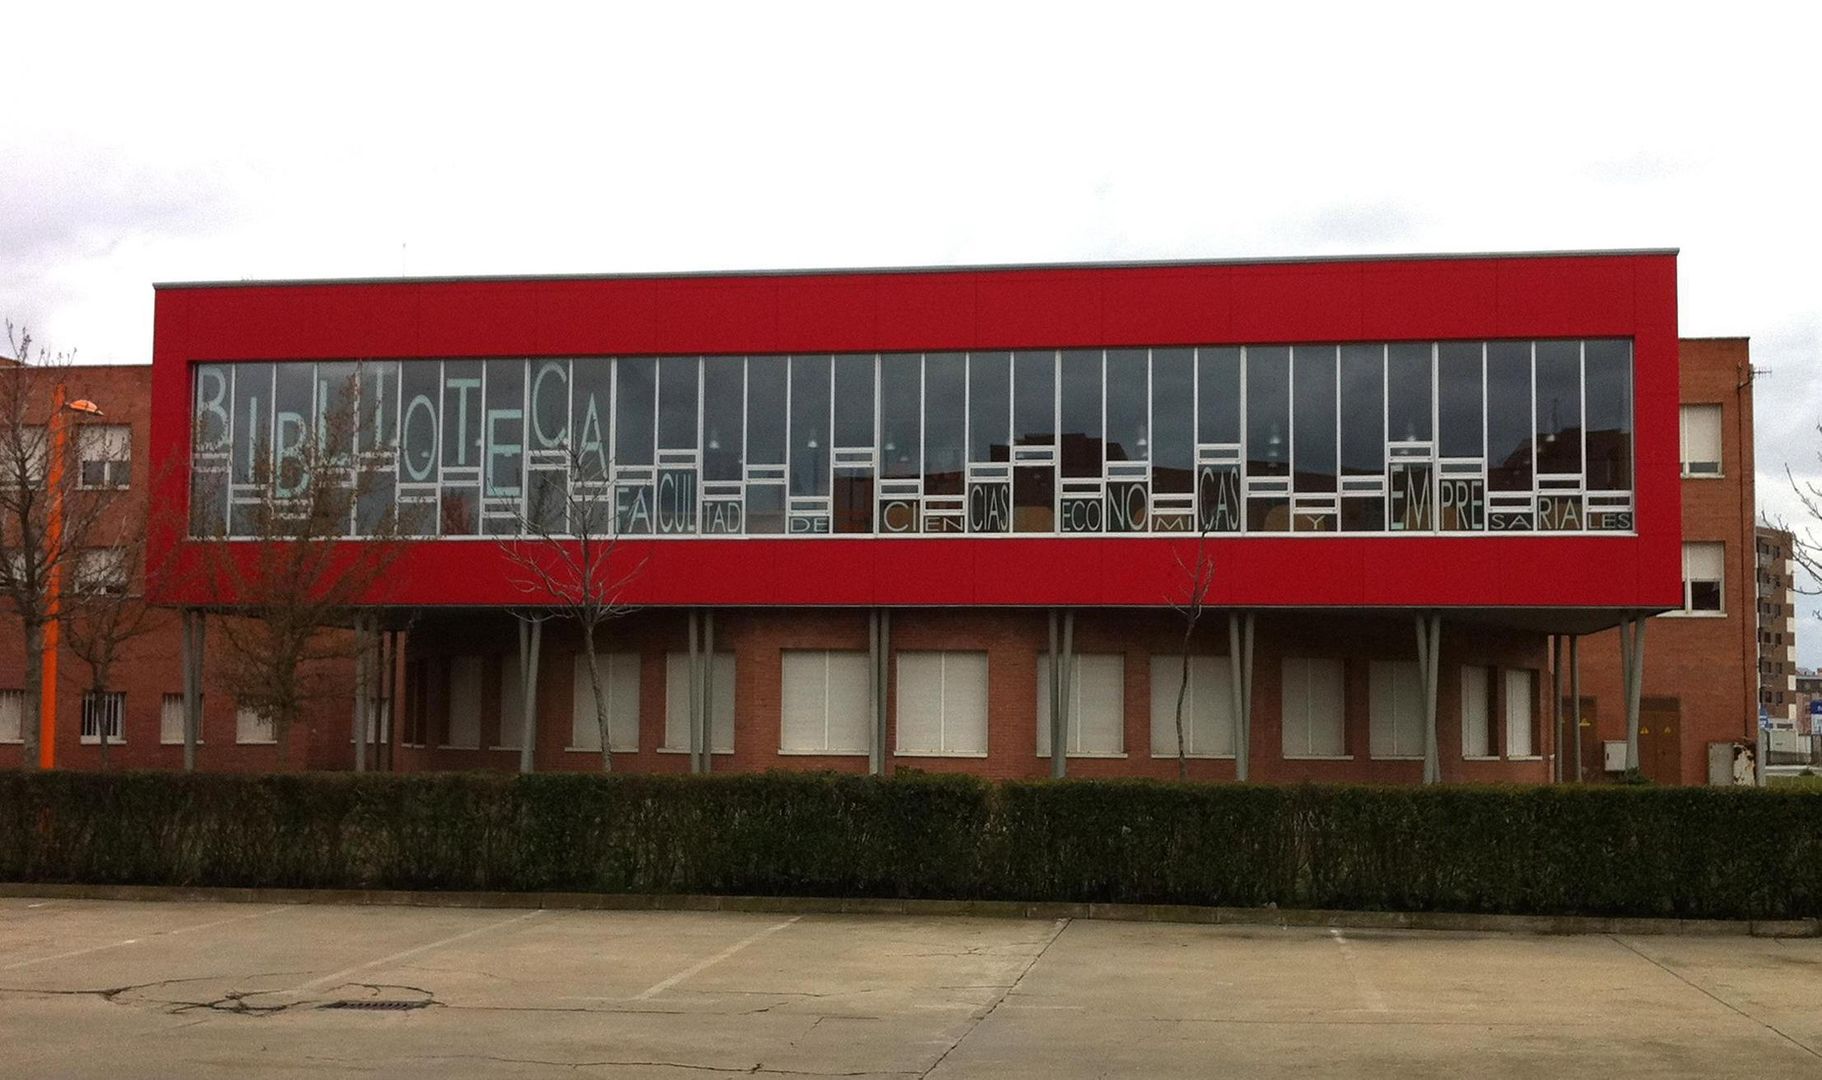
123,989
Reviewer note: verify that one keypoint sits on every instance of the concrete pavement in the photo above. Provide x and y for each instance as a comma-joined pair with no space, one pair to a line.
125,989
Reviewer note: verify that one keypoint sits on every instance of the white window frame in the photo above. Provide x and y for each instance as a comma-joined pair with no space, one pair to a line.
803,660
677,704
1395,726
1208,707
253,729
1688,611
106,455
1683,442
1520,685
619,671
1095,666
1481,697
1305,668
954,715
113,706
12,716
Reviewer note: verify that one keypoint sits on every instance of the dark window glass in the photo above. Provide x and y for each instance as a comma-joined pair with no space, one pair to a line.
1608,368
1362,412
549,405
1081,413
1408,393
677,387
1313,369
1509,416
901,415
591,416
1173,419
1268,412
723,417
765,508
766,410
635,397
1458,404
989,406
459,512
1218,396
377,427
809,425
253,422
1559,407
294,405
337,409
504,436
418,389
1127,395
1034,499
1034,398
945,417
854,401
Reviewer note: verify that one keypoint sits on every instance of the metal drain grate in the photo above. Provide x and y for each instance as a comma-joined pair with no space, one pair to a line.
375,1006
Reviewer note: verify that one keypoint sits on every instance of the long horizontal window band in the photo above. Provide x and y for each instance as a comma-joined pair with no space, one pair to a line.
1360,438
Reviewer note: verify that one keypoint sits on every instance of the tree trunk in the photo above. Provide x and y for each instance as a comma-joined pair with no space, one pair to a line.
594,685
1182,692
30,720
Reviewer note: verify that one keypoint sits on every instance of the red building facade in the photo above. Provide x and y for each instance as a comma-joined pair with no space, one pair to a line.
905,510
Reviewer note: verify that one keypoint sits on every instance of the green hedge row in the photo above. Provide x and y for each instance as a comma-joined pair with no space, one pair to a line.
1690,852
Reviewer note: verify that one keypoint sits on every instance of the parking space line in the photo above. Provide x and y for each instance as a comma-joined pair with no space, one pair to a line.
697,968
333,978
1370,996
134,941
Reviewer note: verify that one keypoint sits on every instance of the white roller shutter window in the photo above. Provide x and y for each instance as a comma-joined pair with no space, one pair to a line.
1097,706
677,703
620,679
1312,716
1208,707
1701,440
823,704
1396,706
1476,730
12,713
1518,714
942,703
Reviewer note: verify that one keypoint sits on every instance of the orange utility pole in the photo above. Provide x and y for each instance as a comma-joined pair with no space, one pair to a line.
53,539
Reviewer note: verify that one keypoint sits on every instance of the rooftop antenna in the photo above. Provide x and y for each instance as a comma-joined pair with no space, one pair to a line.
402,271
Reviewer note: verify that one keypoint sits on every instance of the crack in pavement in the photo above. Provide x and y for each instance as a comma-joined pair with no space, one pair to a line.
1061,925
756,1069
1711,995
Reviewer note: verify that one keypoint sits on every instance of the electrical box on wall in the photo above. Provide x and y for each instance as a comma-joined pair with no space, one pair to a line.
1614,755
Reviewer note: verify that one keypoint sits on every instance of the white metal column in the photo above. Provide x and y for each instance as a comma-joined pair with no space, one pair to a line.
1240,675
531,635
1429,661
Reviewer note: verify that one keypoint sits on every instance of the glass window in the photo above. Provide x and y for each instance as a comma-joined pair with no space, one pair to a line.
252,422
1509,415
945,422
1607,366
104,455
1362,410
1034,398
810,425
1520,694
1313,369
677,702
1476,730
723,417
1408,393
901,406
1458,400
1313,721
677,387
824,706
989,406
549,398
1127,398
854,401
504,435
1268,412
1704,574
1218,396
635,402
1173,420
766,410
1395,709
1701,434
1559,407
591,416
1081,413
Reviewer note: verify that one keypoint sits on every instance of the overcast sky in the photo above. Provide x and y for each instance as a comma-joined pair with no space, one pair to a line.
166,142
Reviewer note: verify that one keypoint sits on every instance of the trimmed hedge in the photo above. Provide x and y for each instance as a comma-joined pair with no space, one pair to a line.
1688,852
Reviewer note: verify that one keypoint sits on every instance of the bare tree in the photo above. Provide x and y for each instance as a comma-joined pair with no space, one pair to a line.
296,573
1198,578
46,515
565,560
1806,536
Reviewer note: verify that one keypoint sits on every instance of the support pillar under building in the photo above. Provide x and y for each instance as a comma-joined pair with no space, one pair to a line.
1240,674
531,637
191,646
1429,656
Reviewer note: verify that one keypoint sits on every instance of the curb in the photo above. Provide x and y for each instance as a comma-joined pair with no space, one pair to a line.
1460,922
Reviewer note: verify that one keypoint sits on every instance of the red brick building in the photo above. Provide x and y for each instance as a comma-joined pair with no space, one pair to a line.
903,511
